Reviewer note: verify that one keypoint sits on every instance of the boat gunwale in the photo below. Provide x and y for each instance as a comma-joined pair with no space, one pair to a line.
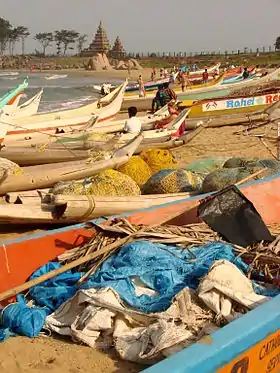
9,242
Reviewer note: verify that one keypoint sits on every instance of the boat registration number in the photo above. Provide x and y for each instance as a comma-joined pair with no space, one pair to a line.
264,357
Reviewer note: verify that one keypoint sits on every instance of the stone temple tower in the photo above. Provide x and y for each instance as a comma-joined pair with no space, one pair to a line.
100,43
118,50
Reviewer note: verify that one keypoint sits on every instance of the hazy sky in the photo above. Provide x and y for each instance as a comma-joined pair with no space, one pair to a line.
153,25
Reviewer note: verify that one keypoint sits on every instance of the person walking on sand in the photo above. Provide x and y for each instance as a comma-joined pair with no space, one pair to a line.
133,124
141,87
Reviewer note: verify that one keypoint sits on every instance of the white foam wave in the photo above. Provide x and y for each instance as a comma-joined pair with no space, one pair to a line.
53,106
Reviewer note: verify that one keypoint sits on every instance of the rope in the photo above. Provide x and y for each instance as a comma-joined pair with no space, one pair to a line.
90,209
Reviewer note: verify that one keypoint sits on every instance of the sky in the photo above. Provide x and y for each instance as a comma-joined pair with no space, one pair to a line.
154,25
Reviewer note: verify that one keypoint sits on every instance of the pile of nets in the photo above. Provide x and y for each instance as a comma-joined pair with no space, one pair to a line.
137,169
158,159
172,181
253,162
8,167
105,183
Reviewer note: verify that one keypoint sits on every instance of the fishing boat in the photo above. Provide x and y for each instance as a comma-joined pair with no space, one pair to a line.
9,73
65,149
13,93
149,86
57,121
214,83
55,77
232,105
208,92
209,69
248,344
46,175
27,109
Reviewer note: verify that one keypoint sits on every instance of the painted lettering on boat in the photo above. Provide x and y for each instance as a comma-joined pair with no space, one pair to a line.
237,103
264,357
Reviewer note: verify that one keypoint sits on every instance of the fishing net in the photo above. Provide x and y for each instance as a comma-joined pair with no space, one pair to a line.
8,167
158,159
113,183
172,181
206,165
105,183
100,136
253,162
220,179
71,188
137,169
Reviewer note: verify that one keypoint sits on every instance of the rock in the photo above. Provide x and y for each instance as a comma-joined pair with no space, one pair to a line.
136,64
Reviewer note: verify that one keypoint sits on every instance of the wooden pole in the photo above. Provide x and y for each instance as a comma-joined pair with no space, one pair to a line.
21,288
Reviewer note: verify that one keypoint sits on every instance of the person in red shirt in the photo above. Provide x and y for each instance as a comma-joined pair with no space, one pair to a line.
205,76
173,114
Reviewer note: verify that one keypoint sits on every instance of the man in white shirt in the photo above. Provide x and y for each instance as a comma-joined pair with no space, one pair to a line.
133,124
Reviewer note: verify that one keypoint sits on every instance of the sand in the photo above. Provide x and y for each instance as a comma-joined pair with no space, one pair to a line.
22,355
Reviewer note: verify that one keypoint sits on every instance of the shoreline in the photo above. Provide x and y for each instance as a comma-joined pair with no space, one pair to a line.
106,74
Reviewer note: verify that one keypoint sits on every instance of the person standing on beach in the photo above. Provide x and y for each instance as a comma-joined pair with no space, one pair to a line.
133,124
183,80
245,73
141,87
205,77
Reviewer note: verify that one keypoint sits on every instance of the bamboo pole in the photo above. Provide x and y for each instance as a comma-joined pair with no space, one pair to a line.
107,249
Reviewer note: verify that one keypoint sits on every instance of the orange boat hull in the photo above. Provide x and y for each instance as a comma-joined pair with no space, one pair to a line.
20,258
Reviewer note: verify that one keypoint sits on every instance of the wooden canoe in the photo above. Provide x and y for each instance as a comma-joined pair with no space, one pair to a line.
51,122
47,209
44,176
27,109
81,149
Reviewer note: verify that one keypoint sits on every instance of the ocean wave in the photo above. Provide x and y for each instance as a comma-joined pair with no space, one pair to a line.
53,106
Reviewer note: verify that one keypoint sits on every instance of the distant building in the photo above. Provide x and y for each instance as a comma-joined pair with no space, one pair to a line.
100,43
118,50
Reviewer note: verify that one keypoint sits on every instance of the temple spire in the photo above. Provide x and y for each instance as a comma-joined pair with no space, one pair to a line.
100,43
118,50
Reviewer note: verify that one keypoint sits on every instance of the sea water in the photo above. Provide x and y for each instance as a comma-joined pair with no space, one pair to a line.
64,93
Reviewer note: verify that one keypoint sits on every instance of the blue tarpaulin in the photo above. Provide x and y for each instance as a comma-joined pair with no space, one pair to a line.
165,269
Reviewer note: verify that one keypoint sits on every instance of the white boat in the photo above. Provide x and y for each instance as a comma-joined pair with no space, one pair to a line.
8,73
27,109
106,108
209,69
162,133
54,77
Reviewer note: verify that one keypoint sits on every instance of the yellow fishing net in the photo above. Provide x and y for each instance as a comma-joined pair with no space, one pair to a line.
172,181
158,159
137,169
113,183
96,136
105,183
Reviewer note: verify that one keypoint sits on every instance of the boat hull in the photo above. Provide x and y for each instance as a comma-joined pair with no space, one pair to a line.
249,344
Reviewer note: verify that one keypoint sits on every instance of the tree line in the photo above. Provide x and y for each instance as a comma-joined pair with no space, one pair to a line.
64,39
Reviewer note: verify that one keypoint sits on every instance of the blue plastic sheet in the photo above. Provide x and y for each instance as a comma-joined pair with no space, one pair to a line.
22,319
56,291
165,269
